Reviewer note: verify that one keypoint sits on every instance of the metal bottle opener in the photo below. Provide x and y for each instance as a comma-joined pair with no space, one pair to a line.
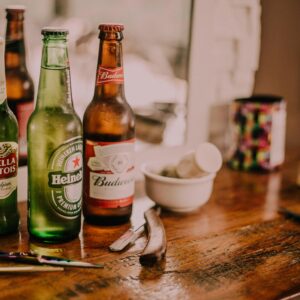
157,242
131,235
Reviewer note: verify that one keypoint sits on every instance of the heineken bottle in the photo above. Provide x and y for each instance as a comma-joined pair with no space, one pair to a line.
9,216
54,148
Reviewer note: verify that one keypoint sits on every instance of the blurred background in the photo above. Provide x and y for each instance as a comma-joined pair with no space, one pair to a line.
184,60
156,48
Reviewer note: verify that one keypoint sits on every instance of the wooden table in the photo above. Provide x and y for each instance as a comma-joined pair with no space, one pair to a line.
235,247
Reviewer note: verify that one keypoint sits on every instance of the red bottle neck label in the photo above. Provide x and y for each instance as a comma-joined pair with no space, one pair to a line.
110,75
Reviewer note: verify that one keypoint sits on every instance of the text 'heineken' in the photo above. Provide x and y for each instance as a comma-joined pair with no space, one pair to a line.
9,217
109,132
54,148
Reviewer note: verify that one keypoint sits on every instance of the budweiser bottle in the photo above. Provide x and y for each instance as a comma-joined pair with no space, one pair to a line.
20,89
9,217
108,130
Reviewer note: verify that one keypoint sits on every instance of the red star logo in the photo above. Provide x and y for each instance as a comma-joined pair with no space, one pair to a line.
76,161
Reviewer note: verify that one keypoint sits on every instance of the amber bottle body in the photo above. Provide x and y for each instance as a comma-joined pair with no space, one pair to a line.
20,89
108,132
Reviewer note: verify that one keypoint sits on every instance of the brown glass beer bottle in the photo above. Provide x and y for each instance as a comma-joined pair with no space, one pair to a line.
108,132
20,91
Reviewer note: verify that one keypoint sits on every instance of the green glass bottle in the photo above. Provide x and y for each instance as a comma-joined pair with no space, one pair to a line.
9,216
54,148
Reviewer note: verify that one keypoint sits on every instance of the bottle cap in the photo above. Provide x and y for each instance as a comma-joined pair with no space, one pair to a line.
111,27
54,31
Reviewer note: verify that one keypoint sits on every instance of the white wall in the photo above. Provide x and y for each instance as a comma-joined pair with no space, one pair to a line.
224,58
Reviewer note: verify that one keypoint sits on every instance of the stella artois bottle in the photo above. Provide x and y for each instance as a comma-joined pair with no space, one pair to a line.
108,127
9,216
54,148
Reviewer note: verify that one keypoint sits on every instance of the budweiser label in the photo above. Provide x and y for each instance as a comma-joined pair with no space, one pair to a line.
23,112
110,75
8,168
65,178
110,173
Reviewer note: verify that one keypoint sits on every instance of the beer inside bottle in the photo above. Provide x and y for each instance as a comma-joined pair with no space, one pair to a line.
9,216
54,148
20,88
108,126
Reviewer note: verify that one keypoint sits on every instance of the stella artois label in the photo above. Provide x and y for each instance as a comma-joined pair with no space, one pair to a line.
110,75
110,173
65,178
8,168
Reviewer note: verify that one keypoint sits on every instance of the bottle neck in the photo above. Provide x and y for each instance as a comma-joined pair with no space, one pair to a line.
15,45
3,95
110,78
54,84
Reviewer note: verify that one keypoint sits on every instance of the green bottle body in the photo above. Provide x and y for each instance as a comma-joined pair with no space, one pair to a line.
9,216
54,151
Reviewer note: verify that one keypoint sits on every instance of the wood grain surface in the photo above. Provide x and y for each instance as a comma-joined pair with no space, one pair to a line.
235,247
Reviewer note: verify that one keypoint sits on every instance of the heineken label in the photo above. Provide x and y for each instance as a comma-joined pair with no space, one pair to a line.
110,173
8,168
65,178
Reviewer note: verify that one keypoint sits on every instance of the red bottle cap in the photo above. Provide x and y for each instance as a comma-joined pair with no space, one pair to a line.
111,27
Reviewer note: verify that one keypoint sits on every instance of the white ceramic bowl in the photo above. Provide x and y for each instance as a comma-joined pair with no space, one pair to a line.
176,194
